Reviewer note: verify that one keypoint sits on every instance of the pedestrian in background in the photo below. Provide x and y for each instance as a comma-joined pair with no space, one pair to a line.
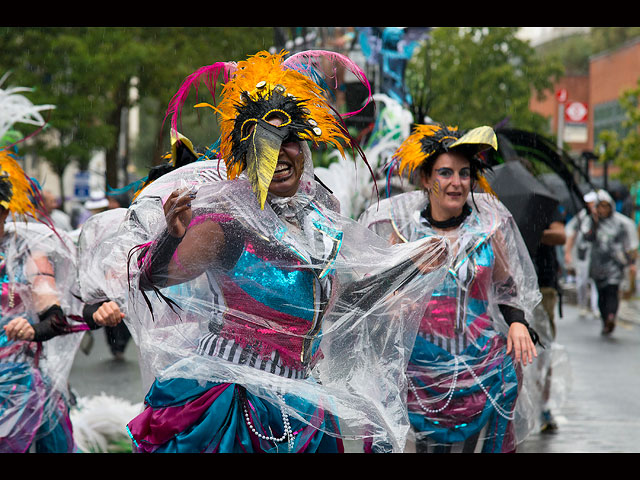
611,253
548,271
60,219
577,252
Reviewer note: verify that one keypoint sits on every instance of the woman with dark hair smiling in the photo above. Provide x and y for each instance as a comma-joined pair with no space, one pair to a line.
465,369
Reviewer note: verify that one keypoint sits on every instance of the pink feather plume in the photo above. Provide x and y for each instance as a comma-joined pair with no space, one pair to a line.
210,74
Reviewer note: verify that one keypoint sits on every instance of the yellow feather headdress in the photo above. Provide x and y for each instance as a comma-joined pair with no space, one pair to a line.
429,140
262,86
18,194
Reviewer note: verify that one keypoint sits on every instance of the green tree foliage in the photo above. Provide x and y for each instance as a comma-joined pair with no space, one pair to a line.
61,64
87,71
574,51
624,152
470,76
607,38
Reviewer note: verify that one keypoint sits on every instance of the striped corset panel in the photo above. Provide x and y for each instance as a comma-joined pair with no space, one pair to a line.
215,345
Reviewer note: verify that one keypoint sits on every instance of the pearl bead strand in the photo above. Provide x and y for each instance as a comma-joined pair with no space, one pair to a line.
449,394
501,411
288,434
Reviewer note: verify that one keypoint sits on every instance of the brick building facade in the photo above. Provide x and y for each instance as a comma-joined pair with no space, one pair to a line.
610,74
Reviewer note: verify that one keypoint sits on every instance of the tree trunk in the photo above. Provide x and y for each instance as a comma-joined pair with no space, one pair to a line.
158,148
61,185
111,154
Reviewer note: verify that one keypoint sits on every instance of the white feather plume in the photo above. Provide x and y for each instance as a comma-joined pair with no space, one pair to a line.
16,108
101,420
349,178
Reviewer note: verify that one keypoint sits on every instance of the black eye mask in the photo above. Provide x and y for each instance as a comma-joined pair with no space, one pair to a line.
257,112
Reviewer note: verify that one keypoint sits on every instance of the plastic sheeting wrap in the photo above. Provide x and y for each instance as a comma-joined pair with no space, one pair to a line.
302,307
550,380
38,271
461,382
97,239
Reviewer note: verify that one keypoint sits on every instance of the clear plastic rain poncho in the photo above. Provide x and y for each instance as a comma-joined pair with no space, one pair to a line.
462,385
95,282
38,271
611,242
307,315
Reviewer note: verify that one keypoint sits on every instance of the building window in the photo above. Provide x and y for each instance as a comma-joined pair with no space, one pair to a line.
609,116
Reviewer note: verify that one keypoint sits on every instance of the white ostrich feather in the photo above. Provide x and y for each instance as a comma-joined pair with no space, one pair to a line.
16,108
349,179
100,420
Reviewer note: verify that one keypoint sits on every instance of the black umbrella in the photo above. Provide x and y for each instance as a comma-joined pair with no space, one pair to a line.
614,186
530,202
570,201
522,145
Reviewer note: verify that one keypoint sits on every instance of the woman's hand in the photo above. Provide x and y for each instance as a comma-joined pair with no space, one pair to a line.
177,212
19,329
108,315
519,342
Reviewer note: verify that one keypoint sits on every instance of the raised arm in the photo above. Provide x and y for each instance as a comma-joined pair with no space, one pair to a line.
189,245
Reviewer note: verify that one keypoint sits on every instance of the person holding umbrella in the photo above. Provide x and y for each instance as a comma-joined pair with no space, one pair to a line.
465,374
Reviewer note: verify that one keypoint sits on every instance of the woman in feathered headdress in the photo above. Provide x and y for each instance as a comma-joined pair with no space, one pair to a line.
464,372
263,341
37,268
32,407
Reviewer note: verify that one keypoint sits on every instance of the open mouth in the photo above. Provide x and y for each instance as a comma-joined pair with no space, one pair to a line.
282,172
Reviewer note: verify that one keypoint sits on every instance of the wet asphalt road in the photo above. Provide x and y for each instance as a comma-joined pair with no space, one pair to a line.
602,411
99,372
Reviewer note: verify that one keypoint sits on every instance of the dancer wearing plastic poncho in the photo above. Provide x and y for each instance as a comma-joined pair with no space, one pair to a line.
464,372
33,412
266,321
39,315
36,307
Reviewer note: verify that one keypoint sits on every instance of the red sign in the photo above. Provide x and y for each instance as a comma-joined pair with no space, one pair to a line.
561,95
576,112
